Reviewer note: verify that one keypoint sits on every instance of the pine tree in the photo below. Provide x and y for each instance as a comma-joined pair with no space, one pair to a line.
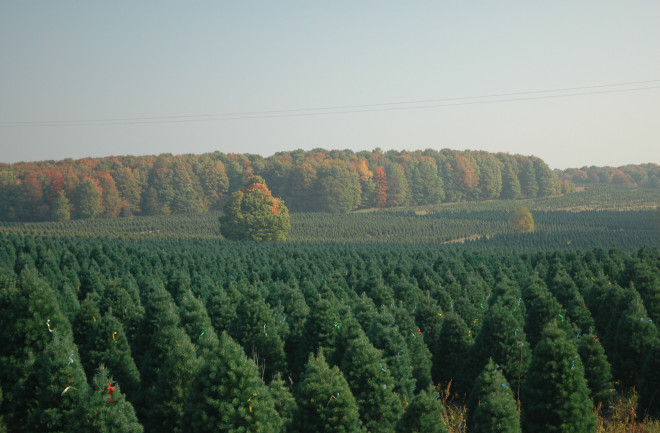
492,406
3,426
423,414
31,315
555,397
541,307
60,386
107,345
167,370
372,384
386,336
325,401
228,395
450,351
257,331
597,369
635,333
285,403
649,387
418,352
502,338
106,412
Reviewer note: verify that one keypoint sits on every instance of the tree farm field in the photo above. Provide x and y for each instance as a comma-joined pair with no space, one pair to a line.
386,321
595,216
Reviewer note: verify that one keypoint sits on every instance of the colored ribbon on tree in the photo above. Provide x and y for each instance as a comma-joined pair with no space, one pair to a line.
111,389
382,368
66,389
48,324
250,399
114,334
70,360
202,334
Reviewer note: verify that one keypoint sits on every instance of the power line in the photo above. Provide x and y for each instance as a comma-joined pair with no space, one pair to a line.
347,109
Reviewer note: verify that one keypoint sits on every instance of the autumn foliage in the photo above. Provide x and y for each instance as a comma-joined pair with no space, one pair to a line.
522,220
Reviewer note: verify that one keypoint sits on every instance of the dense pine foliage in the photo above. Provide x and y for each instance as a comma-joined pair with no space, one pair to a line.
208,335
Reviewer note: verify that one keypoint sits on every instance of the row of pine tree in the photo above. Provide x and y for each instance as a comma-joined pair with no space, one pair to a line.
195,336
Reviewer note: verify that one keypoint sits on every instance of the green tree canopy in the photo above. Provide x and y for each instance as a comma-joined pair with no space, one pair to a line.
254,214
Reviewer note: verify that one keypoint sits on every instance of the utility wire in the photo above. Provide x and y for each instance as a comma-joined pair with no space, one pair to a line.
347,109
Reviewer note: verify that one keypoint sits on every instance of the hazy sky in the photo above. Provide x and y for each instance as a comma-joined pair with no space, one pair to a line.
97,78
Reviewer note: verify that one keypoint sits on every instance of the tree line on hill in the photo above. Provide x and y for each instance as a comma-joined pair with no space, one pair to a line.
102,335
642,175
318,180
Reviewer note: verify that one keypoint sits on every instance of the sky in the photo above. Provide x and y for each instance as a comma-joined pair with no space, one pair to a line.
93,79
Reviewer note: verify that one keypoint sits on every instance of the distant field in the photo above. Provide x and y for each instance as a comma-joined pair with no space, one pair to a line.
600,215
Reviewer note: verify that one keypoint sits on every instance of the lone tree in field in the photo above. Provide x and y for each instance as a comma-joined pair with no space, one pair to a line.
522,220
252,213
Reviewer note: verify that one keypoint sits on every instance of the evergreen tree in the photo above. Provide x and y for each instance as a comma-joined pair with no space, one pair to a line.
256,330
197,323
596,368
492,406
649,387
372,384
30,316
555,397
635,333
540,307
106,412
325,401
3,426
424,414
386,336
60,386
229,396
418,352
107,345
167,368
285,403
450,351
501,338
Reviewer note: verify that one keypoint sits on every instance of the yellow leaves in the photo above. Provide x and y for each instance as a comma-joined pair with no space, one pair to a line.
522,220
